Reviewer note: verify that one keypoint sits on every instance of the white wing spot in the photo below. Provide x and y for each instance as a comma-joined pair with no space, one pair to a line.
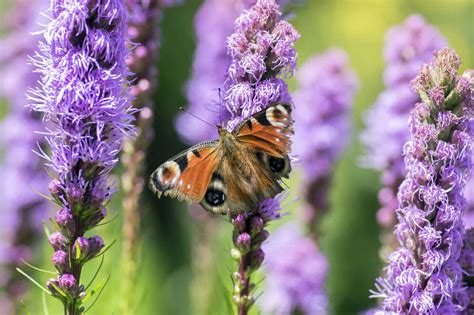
189,186
277,139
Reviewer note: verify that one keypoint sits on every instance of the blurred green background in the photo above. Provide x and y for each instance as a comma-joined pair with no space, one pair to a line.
165,284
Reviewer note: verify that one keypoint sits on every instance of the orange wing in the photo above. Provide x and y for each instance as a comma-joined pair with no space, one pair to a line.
187,175
268,131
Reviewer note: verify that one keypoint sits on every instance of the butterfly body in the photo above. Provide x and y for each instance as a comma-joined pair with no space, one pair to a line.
241,169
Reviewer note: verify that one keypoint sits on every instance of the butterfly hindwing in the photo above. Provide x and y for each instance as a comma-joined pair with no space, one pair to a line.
187,175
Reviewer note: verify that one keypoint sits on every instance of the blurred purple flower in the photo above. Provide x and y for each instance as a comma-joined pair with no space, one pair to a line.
295,274
22,206
407,47
86,107
424,275
322,122
261,50
213,23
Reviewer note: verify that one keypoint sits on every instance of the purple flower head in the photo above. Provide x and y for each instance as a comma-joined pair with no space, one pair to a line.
424,274
213,23
322,119
407,46
295,274
86,108
261,50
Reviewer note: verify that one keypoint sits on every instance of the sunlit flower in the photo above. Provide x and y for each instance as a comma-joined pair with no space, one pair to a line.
424,275
87,113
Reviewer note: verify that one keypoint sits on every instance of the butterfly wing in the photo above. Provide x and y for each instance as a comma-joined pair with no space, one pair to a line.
268,131
252,174
187,175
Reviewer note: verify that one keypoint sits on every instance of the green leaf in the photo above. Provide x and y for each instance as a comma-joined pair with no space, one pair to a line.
78,251
46,230
95,275
98,289
34,281
45,305
105,250
36,268
107,222
25,308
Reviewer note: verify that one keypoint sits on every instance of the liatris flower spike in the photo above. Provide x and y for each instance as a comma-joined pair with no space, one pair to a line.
87,114
323,125
424,274
407,47
21,205
295,274
262,49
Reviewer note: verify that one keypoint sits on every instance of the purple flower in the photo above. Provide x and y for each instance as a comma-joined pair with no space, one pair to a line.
322,122
423,275
259,52
262,50
87,111
407,47
295,274
22,206
213,23
248,236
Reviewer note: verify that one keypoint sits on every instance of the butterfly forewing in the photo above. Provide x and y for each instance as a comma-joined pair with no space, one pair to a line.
268,131
187,175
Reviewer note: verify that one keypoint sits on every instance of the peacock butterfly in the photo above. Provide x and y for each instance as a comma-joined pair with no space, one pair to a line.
241,169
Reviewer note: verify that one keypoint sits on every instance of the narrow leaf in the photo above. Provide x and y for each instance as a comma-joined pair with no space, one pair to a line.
96,273
33,280
97,290
46,229
36,268
45,305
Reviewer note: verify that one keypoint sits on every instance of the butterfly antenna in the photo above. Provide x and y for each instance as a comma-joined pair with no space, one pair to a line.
195,116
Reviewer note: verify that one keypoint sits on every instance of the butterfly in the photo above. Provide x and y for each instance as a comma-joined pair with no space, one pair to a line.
236,172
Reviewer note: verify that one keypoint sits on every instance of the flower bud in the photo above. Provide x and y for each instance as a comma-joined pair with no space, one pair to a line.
256,225
66,222
95,245
52,284
256,258
58,241
68,284
61,261
95,218
243,242
55,188
85,249
239,223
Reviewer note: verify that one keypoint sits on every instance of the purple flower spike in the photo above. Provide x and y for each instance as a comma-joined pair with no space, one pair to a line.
424,275
323,114
407,47
261,51
21,205
261,48
213,23
295,274
86,106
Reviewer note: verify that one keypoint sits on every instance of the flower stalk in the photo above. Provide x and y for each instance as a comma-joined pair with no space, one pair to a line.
85,103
